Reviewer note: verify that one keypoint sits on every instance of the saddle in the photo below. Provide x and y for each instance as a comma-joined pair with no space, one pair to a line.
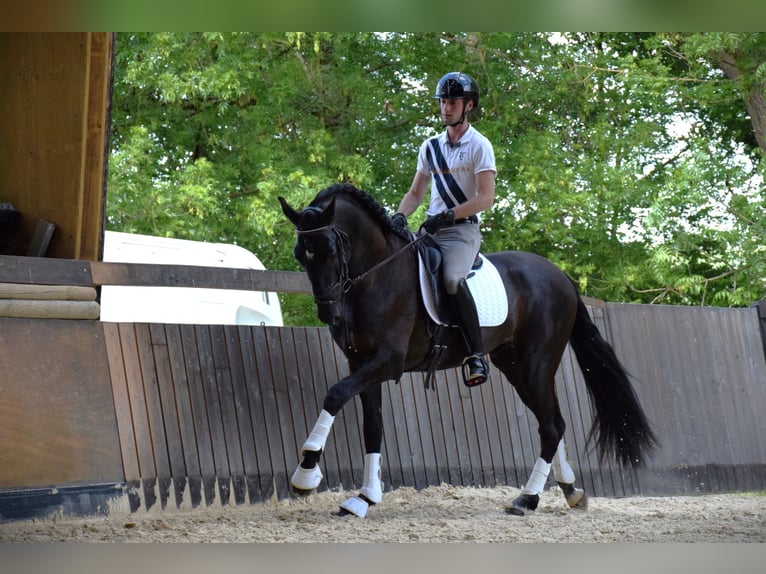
483,280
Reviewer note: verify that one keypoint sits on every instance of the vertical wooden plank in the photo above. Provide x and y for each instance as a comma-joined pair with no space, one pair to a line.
259,479
483,439
413,438
399,423
138,405
168,408
288,439
392,465
214,412
199,414
185,412
241,409
154,410
269,379
264,413
95,148
424,441
495,440
453,384
229,419
451,473
122,403
435,421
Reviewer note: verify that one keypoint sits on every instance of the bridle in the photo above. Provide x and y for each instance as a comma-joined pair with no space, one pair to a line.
344,282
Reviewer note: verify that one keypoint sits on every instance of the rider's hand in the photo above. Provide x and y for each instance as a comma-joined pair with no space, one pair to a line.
436,222
400,220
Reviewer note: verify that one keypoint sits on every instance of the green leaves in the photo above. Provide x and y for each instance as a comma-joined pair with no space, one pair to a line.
631,160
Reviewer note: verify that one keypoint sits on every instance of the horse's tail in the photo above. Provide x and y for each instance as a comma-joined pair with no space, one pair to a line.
620,425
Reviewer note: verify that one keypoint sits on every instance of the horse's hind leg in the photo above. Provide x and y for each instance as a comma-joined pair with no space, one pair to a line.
371,491
535,384
564,475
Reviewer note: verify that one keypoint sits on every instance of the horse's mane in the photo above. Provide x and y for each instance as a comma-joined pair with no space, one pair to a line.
365,201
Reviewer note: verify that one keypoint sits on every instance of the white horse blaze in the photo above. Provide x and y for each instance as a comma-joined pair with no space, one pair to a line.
562,469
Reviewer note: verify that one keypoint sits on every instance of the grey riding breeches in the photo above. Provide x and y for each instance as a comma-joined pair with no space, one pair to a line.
459,245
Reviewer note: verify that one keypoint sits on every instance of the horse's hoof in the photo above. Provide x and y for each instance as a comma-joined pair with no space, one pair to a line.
306,479
301,491
575,497
578,500
356,505
515,511
521,504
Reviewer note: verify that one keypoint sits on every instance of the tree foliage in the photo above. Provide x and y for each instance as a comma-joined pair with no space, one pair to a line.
634,161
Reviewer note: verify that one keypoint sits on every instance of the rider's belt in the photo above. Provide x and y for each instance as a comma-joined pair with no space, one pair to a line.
471,219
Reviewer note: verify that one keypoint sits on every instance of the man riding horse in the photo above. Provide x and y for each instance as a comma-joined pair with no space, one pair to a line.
460,166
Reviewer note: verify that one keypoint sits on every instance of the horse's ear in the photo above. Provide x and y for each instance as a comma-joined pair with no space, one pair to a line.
328,213
289,212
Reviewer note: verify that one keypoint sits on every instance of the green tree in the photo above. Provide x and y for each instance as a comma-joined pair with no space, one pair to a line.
626,158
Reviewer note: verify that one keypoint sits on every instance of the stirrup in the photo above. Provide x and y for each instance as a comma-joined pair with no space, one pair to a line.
474,375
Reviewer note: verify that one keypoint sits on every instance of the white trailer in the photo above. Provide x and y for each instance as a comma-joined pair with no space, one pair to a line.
185,305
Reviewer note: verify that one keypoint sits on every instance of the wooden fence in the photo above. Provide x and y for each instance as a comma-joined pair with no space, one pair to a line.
183,415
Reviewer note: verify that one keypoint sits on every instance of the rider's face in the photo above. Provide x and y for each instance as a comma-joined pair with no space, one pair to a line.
452,108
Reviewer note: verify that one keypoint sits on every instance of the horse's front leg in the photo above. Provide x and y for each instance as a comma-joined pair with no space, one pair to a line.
307,475
371,491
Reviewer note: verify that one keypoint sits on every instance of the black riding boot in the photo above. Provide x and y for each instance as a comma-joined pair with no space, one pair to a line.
474,367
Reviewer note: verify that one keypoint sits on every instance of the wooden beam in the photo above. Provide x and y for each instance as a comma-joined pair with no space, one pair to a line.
47,292
147,275
95,147
36,309
51,271
44,271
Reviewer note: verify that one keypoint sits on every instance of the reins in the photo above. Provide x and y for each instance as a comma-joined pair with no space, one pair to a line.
345,282
361,276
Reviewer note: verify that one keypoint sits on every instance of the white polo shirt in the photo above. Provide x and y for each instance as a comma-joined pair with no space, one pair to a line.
453,168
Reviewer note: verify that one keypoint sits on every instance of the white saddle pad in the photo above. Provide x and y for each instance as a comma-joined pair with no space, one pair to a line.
487,289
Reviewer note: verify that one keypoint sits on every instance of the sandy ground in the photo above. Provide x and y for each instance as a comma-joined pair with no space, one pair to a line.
436,514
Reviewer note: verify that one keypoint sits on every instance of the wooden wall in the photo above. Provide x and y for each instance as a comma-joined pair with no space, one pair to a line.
214,414
57,419
183,415
54,113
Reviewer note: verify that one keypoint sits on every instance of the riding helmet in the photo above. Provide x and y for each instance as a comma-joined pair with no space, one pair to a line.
458,85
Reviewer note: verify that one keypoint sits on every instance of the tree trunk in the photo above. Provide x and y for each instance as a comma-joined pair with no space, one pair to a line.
754,95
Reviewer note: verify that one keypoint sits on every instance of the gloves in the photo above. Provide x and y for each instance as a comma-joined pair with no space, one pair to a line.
400,220
436,222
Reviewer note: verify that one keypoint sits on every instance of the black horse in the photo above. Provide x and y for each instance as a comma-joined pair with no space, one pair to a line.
364,276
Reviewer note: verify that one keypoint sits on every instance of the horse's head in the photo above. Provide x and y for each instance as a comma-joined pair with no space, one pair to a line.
321,249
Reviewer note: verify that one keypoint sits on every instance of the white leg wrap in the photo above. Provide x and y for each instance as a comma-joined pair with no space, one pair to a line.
356,506
562,469
537,479
372,487
306,478
319,433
